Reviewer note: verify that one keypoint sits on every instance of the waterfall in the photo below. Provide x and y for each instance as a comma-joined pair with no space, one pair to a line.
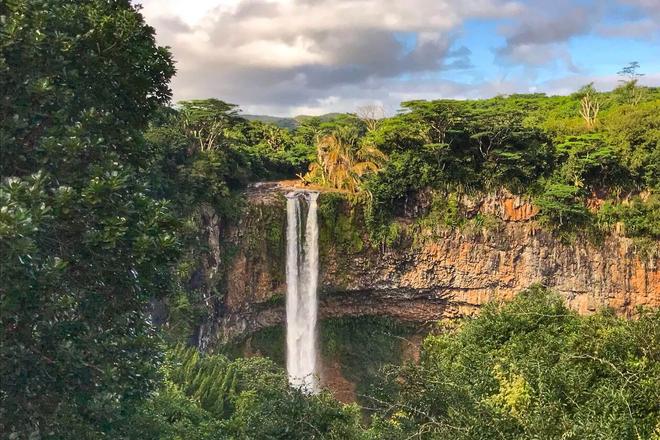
302,267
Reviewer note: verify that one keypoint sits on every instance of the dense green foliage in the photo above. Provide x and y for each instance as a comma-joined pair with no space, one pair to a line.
548,148
529,144
530,369
84,243
203,151
211,397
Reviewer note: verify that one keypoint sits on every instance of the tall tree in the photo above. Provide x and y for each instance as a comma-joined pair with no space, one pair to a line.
209,121
83,246
342,161
589,105
371,115
629,77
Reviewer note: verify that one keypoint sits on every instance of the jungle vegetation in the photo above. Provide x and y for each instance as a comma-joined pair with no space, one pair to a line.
104,183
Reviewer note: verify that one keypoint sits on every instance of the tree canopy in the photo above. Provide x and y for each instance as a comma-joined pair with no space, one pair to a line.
84,244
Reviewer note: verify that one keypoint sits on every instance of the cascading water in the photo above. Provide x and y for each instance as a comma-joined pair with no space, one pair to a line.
302,267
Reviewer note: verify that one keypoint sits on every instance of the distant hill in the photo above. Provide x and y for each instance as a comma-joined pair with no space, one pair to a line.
289,123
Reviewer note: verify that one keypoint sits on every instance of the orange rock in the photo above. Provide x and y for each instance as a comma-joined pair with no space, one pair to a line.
450,275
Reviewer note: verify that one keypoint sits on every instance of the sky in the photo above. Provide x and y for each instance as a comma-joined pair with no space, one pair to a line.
291,57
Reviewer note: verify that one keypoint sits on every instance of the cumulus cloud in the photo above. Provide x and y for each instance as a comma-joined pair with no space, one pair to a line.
642,20
649,6
297,52
313,56
538,34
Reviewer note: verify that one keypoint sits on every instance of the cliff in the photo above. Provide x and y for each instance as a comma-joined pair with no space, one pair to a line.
427,271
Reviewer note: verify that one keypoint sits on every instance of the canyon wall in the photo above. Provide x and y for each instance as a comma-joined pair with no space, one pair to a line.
427,272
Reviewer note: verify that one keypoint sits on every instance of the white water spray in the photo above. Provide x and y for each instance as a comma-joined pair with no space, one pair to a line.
302,268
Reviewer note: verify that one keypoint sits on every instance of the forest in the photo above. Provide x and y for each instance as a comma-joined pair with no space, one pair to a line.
103,179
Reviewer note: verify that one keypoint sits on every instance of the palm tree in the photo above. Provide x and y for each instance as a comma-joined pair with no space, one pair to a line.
342,161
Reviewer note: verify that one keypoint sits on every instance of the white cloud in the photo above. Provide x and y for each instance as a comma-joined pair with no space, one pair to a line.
297,53
190,12
314,56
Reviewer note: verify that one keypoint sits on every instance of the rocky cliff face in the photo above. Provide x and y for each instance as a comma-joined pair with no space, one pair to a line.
429,271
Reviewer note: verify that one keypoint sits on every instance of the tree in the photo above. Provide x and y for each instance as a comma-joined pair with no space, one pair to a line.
589,105
83,244
629,72
209,121
341,161
561,204
635,132
492,127
371,115
628,83
436,118
587,161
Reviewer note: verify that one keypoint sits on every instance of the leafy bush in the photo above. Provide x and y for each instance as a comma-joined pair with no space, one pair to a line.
530,368
210,396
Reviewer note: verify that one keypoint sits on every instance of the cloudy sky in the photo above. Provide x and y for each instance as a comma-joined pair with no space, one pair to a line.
288,57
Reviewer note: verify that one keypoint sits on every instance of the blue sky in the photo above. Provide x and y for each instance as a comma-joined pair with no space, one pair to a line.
287,57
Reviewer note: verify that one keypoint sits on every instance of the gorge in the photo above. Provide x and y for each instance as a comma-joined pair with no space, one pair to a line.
448,275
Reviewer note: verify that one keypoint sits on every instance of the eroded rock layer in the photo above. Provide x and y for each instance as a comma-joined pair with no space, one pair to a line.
442,273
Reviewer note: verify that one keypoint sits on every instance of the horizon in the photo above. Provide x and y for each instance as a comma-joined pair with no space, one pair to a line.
243,113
